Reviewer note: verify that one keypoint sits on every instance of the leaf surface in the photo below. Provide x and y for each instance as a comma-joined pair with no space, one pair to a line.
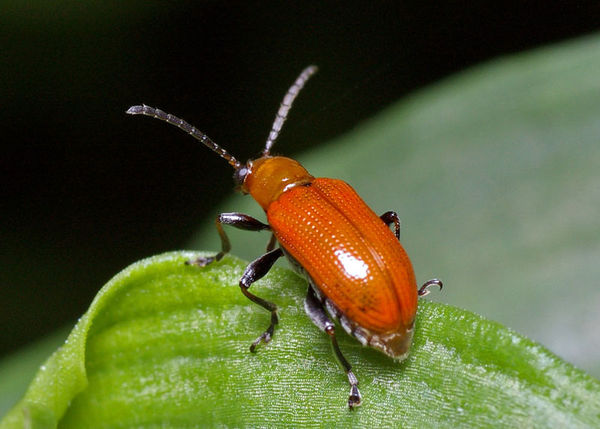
165,344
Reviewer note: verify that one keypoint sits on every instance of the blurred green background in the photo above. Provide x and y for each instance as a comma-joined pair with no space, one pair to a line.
87,190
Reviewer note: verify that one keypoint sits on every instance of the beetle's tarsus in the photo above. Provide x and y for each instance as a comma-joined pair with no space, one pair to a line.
354,400
266,336
424,290
201,262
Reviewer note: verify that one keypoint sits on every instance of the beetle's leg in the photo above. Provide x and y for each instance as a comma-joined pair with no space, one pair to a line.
316,312
424,290
272,243
237,220
253,272
392,217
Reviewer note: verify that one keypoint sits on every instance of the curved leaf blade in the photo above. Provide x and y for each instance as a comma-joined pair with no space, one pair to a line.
167,344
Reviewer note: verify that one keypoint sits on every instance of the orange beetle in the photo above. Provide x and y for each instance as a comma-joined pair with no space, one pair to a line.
358,272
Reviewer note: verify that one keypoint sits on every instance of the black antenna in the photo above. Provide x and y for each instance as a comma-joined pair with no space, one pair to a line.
193,131
285,106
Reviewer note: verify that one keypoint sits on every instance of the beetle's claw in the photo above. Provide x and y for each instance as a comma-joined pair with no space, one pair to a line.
424,290
264,338
354,400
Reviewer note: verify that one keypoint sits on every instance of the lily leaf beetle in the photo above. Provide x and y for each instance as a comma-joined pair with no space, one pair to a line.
358,272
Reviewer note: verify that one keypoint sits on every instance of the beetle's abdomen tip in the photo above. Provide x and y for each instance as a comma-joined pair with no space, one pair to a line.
396,344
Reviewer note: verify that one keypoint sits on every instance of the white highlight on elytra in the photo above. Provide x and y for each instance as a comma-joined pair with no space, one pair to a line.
354,267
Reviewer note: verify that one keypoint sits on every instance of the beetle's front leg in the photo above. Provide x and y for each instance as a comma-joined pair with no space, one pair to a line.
392,217
253,272
316,312
237,220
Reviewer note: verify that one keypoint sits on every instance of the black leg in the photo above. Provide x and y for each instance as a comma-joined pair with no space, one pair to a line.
424,290
317,314
392,217
237,220
272,243
253,272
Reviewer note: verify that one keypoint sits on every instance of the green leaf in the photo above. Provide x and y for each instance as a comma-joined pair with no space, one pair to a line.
166,344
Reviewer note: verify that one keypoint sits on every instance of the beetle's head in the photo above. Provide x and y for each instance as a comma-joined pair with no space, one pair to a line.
266,178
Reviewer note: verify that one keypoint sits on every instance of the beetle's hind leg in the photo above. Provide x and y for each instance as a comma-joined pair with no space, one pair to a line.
424,290
316,312
237,220
253,272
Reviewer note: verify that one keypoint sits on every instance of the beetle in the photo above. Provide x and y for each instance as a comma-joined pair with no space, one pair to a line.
358,272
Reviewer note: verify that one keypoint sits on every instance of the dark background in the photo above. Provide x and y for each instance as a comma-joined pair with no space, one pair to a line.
87,190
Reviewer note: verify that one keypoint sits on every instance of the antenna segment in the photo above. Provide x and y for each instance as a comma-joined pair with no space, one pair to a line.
193,131
285,106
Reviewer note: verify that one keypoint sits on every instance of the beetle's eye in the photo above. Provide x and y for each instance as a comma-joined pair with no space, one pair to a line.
240,175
